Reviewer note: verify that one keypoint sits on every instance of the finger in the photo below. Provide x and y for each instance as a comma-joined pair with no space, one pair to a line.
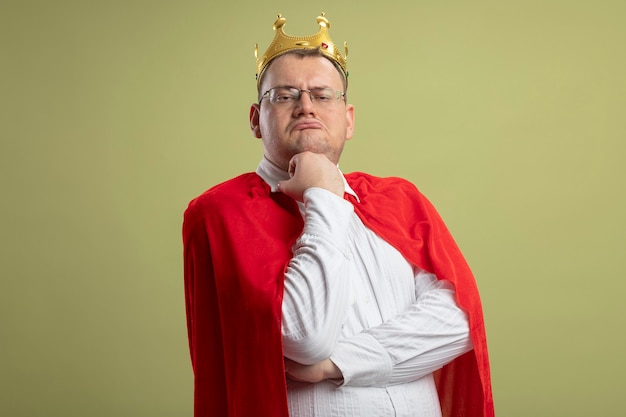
292,166
287,187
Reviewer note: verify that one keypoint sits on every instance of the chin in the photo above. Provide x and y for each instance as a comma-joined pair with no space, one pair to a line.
312,143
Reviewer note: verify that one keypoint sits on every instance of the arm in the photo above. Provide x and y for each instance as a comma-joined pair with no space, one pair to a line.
430,334
414,344
316,295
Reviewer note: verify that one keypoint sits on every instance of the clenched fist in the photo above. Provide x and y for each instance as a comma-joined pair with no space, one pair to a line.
307,170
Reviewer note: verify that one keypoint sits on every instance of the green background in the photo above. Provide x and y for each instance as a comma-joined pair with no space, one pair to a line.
508,115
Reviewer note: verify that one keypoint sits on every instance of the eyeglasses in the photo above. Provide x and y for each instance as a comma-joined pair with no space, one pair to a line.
288,96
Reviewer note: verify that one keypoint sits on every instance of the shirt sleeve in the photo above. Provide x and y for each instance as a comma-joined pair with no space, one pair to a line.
430,334
316,294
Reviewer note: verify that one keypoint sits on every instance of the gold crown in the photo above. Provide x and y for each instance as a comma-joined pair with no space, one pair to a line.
283,43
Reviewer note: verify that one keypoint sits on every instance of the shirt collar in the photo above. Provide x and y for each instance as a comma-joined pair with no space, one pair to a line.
273,174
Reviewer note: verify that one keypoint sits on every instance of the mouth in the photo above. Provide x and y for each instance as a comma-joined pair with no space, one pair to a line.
307,125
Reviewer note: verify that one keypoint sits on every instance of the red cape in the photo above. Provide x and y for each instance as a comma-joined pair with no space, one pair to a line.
237,240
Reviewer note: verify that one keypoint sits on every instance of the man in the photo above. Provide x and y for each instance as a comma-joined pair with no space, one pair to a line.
313,293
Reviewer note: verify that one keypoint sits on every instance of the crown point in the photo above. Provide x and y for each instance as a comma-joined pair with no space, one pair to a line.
322,21
280,22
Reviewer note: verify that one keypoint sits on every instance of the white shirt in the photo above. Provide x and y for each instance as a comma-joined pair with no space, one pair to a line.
351,297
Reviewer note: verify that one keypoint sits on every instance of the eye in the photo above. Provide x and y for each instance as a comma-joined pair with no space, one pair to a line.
323,94
284,95
284,98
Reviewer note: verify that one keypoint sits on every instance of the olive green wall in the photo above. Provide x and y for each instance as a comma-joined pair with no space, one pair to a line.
509,115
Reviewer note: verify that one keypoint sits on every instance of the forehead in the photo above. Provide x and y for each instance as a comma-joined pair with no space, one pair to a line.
302,71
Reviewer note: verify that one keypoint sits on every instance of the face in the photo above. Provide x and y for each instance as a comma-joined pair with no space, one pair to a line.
287,130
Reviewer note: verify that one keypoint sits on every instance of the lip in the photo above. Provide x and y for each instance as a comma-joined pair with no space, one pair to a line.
309,124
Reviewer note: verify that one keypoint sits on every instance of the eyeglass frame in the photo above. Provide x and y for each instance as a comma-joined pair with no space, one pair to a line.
338,94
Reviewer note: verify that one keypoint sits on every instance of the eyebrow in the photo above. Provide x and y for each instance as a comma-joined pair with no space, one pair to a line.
312,88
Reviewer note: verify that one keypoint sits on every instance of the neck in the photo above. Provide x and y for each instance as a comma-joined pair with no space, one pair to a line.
273,163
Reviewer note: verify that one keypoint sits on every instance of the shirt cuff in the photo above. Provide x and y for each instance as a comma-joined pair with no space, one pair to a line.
363,361
325,213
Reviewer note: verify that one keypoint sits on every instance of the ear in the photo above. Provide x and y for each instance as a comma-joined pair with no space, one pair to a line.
349,121
255,110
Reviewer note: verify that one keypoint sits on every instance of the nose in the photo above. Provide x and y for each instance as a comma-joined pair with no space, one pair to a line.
308,92
305,104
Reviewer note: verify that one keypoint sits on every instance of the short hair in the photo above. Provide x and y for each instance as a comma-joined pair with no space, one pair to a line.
305,53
